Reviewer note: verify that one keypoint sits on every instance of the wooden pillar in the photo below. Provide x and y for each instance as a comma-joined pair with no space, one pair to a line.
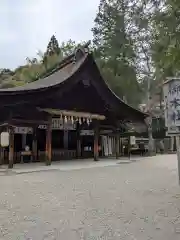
1,155
129,146
11,147
24,137
48,142
66,139
96,141
117,145
120,146
34,145
78,150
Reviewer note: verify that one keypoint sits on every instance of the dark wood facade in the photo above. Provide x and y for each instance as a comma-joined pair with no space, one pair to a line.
75,87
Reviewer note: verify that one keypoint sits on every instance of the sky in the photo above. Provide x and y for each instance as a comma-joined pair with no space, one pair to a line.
27,25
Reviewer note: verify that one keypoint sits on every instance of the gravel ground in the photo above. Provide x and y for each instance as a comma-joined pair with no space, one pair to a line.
140,201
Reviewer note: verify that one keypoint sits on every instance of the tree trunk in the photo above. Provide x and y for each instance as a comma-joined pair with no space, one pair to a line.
172,144
150,136
150,143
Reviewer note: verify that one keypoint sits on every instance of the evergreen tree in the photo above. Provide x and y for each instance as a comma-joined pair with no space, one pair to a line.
114,49
52,54
142,33
53,47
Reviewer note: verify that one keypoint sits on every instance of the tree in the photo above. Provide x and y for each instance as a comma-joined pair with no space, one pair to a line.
52,54
53,47
38,67
68,47
142,33
124,33
166,46
114,49
5,73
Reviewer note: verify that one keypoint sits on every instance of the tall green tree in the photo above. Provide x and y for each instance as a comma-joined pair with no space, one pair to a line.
52,54
114,49
53,46
142,30
166,46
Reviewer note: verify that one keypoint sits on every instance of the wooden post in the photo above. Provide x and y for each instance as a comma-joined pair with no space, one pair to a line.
65,139
11,147
1,155
78,155
24,136
117,145
48,142
96,141
79,148
120,146
129,147
178,156
34,144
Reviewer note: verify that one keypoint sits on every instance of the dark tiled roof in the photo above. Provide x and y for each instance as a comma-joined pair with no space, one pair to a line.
65,70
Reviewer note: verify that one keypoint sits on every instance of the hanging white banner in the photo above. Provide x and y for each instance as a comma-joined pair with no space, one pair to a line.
23,130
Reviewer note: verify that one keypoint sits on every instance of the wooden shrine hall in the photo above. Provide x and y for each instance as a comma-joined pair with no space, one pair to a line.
63,114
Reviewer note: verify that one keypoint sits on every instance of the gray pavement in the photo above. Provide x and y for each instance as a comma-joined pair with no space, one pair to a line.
140,201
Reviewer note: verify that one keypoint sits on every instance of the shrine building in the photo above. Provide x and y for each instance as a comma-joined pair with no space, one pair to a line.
67,114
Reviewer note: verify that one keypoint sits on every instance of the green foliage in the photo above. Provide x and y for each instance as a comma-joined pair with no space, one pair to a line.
53,47
4,74
114,49
68,47
166,45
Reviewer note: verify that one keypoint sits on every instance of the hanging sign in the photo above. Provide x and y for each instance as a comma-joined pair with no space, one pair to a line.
171,91
105,132
23,130
86,132
59,124
4,139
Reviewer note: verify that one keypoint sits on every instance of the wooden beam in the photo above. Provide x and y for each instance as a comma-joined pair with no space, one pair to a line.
48,142
96,141
11,147
29,122
75,114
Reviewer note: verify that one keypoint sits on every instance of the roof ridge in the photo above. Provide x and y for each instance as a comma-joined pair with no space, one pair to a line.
67,60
